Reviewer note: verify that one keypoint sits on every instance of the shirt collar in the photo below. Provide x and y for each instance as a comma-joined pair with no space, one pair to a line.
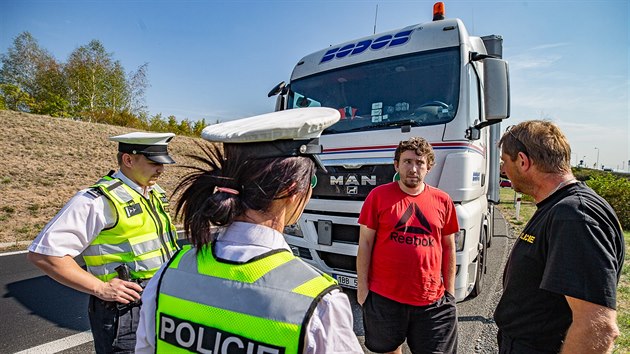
126,180
254,234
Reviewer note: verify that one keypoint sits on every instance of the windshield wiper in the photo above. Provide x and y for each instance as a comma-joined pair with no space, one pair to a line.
395,123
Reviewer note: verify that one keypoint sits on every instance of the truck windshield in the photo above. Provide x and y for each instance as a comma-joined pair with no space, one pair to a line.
418,90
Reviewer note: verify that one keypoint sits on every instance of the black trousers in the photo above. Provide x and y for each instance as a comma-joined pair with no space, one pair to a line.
427,329
113,327
508,345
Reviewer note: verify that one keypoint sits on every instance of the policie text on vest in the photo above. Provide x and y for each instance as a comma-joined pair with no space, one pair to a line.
207,340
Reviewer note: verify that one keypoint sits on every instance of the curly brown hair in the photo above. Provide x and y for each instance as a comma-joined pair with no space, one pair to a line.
420,145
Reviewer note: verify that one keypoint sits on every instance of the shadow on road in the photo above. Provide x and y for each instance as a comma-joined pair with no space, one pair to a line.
49,300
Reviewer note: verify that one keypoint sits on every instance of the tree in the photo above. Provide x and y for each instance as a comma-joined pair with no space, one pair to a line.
116,93
95,80
138,84
91,85
198,127
157,123
51,93
20,69
172,125
184,127
15,98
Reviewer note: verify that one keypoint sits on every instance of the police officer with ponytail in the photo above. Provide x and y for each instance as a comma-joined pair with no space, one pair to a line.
239,288
123,230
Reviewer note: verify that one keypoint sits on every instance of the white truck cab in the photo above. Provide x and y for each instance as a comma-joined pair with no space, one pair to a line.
432,80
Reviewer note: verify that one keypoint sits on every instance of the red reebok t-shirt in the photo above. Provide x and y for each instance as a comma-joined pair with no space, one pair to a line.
406,263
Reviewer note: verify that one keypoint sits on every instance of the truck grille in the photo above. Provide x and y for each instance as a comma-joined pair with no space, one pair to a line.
339,261
351,184
344,233
301,252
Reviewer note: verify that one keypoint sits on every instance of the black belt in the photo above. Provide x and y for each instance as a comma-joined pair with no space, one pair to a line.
113,305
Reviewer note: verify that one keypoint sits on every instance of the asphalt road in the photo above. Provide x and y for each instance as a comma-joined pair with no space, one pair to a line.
39,315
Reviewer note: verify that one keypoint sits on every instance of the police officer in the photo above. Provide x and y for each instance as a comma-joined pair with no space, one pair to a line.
241,290
122,228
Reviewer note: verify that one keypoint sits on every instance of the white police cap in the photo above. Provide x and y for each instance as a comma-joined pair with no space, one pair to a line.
293,132
154,146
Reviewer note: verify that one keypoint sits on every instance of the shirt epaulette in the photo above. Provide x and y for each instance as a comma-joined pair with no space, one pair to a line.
95,192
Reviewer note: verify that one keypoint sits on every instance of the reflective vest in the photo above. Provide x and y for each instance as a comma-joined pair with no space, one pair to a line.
207,305
143,237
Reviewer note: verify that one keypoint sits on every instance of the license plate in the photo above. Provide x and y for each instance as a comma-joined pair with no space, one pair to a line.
348,282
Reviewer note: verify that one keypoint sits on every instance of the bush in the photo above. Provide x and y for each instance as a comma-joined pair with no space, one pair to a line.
616,191
583,174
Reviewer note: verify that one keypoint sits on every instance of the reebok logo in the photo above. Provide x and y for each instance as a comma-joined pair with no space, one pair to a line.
412,224
413,213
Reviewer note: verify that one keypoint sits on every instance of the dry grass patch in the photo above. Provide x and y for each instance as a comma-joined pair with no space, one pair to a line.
47,160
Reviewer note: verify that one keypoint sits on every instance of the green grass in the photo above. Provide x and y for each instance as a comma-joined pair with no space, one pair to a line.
527,209
622,344
33,208
508,209
23,230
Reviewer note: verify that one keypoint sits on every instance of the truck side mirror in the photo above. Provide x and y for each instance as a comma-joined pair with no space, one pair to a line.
278,89
496,89
280,103
281,90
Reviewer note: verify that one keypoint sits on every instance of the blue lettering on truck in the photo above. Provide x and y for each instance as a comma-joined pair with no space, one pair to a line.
388,40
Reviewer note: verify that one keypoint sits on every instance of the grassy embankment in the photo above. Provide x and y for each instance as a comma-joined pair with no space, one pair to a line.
46,160
622,344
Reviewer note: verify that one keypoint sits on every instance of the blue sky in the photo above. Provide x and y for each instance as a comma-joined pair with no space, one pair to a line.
569,60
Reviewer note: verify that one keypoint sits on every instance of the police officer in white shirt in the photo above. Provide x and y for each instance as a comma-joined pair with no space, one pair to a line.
122,228
241,290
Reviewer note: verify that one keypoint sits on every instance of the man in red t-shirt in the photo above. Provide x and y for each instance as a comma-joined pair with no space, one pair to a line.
406,259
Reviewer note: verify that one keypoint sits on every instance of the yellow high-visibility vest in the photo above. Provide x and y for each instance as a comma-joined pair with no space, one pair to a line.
143,237
260,306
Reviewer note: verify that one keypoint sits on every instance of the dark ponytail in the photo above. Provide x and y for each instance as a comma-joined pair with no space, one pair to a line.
227,183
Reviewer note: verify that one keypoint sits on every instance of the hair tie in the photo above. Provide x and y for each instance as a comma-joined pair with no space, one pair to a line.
226,190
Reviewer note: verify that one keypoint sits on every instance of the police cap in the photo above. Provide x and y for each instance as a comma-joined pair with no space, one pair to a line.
152,145
293,132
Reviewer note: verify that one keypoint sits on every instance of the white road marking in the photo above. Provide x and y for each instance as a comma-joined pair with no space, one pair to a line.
61,344
12,253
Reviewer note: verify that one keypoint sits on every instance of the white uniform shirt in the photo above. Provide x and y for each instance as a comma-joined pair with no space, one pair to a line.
329,329
79,222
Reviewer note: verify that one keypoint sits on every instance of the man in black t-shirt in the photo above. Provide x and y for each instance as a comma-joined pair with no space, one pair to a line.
559,283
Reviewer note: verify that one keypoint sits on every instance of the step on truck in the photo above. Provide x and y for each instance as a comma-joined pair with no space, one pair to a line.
433,80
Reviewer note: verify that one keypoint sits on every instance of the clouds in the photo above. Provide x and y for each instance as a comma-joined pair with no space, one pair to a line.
538,57
589,102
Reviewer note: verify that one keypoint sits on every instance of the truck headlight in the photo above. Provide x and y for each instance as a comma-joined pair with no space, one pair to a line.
460,237
293,230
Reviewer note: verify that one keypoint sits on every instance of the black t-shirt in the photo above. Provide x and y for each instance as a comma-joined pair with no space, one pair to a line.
573,245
